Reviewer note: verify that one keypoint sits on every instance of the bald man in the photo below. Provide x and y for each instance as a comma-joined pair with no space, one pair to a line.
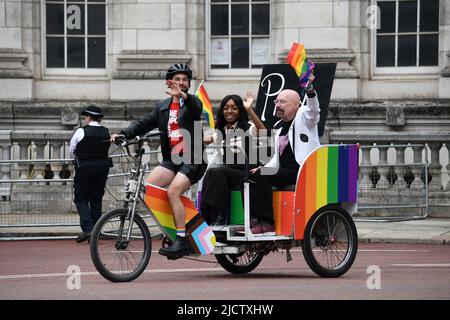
296,136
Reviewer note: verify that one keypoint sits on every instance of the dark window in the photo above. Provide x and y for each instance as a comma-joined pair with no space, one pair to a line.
260,19
240,32
239,53
239,19
75,52
387,13
71,41
97,54
407,51
219,20
408,34
55,52
407,16
75,19
96,19
55,18
428,50
386,51
429,15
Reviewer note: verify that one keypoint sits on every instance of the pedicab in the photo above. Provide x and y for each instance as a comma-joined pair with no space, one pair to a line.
315,214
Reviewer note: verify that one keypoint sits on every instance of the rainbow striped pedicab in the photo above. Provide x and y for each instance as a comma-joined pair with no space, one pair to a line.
315,215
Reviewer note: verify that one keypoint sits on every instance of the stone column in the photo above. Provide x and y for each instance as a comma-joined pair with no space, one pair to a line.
5,170
23,153
56,147
400,169
365,171
383,170
447,186
435,167
416,168
39,166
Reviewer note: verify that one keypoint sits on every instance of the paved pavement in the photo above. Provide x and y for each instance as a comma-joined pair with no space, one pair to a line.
424,231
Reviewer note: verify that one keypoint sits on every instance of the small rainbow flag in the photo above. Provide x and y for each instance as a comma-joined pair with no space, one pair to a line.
207,107
302,66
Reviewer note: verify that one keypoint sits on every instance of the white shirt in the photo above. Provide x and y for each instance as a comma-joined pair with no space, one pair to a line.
77,137
304,124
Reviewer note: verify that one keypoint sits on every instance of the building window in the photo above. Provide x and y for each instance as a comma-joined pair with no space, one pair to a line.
239,34
75,34
408,34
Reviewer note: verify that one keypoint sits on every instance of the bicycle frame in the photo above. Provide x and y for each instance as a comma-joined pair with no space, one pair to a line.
199,234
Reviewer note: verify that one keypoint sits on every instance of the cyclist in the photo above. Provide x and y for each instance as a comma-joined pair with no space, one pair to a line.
175,116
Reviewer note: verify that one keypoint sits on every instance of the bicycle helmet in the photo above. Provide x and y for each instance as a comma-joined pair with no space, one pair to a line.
179,68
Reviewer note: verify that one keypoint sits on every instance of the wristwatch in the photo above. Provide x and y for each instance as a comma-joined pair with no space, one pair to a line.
310,91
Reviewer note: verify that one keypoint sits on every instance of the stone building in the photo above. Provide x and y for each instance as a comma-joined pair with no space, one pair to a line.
392,80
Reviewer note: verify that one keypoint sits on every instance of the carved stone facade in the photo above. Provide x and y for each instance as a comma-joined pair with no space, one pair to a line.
144,37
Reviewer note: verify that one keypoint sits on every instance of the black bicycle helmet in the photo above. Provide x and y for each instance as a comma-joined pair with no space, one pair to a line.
179,68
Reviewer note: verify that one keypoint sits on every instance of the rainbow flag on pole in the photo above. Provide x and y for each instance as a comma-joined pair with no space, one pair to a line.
302,66
207,107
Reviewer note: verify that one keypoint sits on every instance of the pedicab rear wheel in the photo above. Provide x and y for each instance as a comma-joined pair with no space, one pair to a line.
240,263
330,242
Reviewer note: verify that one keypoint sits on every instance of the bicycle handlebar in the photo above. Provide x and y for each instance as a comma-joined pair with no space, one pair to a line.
121,140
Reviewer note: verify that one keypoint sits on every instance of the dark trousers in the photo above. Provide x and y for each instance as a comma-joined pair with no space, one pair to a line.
218,182
89,188
263,188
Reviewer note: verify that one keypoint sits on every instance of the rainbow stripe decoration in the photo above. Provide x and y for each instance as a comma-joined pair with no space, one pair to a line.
329,175
199,234
297,59
207,107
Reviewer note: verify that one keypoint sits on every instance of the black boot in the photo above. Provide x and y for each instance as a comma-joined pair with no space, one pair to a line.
178,249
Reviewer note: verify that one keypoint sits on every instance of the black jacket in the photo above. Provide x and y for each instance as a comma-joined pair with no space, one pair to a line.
190,112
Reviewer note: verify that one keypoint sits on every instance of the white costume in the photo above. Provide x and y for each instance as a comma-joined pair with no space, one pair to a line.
304,127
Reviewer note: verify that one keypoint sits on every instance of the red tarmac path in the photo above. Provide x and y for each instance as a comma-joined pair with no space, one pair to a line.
38,270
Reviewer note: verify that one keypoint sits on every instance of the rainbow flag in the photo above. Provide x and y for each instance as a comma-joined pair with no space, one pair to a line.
199,234
302,66
207,107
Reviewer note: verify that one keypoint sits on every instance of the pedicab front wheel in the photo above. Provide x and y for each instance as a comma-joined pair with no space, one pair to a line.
116,258
240,263
330,242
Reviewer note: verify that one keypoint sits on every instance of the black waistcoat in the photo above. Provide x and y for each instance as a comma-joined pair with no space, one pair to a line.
95,144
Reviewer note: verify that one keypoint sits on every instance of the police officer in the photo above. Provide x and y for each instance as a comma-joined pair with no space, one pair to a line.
89,146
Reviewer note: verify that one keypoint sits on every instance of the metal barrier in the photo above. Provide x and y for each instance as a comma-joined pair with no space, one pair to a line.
48,202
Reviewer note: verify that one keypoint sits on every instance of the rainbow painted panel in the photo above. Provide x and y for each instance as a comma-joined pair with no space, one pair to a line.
329,175
199,234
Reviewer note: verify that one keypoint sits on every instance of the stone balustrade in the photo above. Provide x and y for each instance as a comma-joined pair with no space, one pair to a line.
392,168
388,161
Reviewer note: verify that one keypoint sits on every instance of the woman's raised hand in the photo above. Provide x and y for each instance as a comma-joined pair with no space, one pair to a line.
248,100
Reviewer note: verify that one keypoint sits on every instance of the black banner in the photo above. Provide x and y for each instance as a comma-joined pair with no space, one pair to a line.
277,77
